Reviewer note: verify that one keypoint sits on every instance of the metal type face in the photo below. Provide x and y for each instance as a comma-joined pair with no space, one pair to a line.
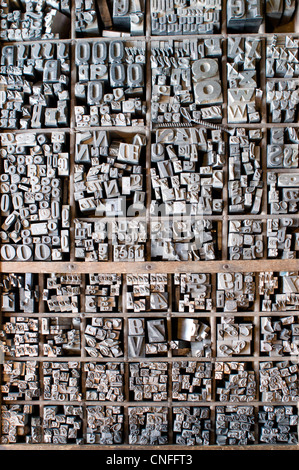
234,337
110,88
245,175
191,381
179,239
148,425
61,336
278,424
186,82
148,381
279,336
19,293
20,423
105,425
20,381
62,293
279,291
104,337
33,21
192,425
187,172
62,381
235,425
279,381
126,240
282,192
282,98
104,381
191,337
245,239
62,424
244,15
34,197
243,93
147,337
20,337
110,18
147,292
102,293
282,238
109,174
35,91
193,292
235,382
188,17
235,292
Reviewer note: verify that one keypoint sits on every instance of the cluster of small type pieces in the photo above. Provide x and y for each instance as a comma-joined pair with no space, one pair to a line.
282,148
35,83
187,176
62,381
193,292
234,337
282,99
279,381
109,174
235,382
63,424
282,192
186,81
34,207
170,17
20,337
110,88
104,381
34,20
104,425
245,183
19,293
278,424
126,239
110,18
104,337
191,337
192,425
148,425
147,292
20,381
20,424
148,381
279,292
62,293
279,336
102,293
191,381
235,291
243,95
282,57
184,239
235,425
245,239
147,337
61,336
283,238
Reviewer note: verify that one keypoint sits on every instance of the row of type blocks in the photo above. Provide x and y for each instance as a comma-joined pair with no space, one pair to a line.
106,82
150,425
187,185
178,381
166,330
126,18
